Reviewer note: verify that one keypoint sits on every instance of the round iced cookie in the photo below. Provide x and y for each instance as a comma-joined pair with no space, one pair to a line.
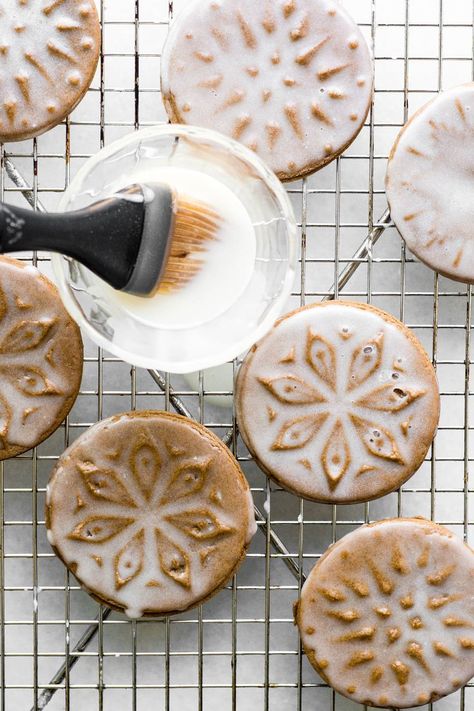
48,55
291,79
338,403
150,511
40,358
386,616
430,183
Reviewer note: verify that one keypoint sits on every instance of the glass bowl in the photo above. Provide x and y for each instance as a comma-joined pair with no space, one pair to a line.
234,324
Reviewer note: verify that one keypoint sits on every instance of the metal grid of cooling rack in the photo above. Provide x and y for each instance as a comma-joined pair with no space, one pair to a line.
60,650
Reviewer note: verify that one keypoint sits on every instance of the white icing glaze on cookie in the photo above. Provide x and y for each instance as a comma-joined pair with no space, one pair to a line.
48,55
150,511
339,402
430,183
387,615
40,358
291,80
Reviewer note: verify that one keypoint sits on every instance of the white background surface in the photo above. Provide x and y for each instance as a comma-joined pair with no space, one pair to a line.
185,665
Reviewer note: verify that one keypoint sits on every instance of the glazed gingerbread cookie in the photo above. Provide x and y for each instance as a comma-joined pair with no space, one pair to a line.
338,403
386,616
150,511
48,55
40,358
291,79
430,183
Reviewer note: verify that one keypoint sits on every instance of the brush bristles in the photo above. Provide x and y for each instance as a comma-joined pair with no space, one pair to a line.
195,226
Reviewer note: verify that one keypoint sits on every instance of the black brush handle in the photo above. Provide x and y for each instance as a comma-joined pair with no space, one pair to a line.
105,237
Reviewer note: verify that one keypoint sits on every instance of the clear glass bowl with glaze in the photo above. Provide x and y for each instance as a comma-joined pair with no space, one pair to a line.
200,343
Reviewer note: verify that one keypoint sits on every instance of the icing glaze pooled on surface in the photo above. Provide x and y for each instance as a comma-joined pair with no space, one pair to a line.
40,358
339,402
430,183
150,511
387,615
291,80
48,54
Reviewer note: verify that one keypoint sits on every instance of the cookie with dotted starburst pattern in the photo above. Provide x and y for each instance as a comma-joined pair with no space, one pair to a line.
48,55
40,358
386,616
291,79
338,403
150,511
430,182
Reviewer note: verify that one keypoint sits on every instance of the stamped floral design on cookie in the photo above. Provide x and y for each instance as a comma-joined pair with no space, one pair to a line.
48,54
24,338
433,148
392,629
141,522
150,511
338,403
40,358
364,400
303,64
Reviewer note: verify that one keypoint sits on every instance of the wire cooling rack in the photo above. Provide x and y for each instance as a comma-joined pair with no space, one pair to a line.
60,650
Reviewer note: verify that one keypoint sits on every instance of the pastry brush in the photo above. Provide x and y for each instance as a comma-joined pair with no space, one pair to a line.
143,239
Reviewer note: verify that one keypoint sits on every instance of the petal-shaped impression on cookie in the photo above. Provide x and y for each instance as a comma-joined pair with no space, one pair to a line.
145,464
104,484
26,335
390,398
187,479
128,562
32,381
336,456
174,562
293,390
298,432
201,524
98,529
321,356
377,440
365,360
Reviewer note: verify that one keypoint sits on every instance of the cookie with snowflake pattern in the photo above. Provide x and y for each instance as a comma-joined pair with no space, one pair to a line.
386,616
338,403
40,358
430,183
49,51
291,79
150,512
